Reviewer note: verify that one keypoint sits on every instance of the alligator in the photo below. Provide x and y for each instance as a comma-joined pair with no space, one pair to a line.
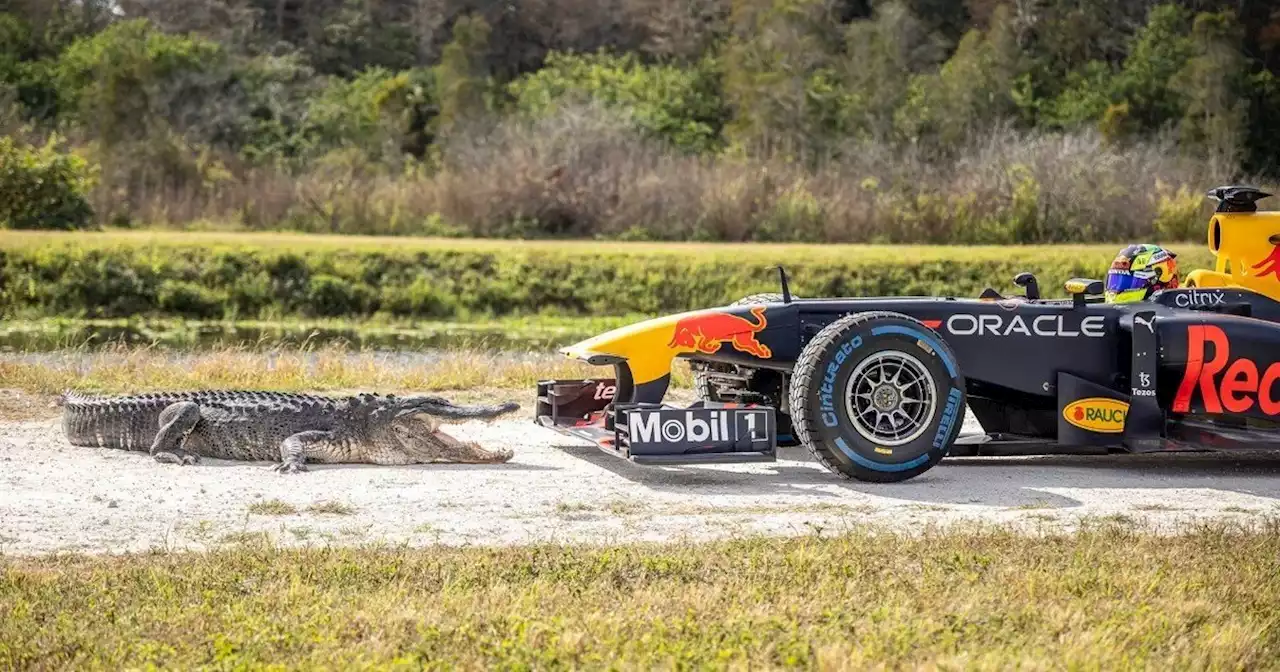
292,429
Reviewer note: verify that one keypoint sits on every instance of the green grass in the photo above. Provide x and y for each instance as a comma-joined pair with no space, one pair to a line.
216,240
332,508
1155,507
573,507
245,538
1106,598
275,276
1034,505
272,507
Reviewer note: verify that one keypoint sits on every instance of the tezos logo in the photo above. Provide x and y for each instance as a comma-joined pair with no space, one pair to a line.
603,392
1193,298
1144,386
1097,414
1043,325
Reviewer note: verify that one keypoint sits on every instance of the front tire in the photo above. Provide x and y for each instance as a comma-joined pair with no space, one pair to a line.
877,397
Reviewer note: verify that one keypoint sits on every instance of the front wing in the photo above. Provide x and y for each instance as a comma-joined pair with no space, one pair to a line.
646,433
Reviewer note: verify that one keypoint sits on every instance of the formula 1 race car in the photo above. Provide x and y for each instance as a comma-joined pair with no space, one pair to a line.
877,388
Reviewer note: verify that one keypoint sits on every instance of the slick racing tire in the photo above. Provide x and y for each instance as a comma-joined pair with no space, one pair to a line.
877,396
756,378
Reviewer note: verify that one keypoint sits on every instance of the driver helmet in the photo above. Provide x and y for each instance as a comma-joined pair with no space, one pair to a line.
1139,271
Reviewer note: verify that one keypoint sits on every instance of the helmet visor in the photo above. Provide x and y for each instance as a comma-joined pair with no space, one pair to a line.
1124,281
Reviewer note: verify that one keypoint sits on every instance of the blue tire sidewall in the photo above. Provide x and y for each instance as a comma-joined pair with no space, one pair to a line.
838,362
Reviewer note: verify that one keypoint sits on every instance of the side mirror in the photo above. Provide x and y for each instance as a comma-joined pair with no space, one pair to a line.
1028,282
1079,288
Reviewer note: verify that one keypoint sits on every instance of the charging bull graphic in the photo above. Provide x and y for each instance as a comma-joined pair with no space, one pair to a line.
706,332
1269,265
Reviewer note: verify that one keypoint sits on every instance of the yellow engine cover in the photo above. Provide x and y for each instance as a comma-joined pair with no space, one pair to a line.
1246,246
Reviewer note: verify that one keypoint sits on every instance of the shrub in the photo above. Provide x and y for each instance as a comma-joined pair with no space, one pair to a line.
1180,213
188,275
586,172
680,105
131,77
42,187
330,296
176,297
384,114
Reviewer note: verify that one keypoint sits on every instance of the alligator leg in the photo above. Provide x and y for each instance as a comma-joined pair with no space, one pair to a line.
295,449
176,422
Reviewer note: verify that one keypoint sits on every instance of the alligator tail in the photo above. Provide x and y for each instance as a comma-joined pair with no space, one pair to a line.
127,423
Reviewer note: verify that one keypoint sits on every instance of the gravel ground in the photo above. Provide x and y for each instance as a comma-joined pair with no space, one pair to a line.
54,496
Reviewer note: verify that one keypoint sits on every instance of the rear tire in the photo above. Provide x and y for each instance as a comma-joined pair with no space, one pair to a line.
877,397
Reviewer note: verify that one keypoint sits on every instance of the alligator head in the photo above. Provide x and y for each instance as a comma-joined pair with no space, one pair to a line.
412,427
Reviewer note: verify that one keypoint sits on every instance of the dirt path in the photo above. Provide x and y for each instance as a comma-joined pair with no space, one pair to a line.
54,496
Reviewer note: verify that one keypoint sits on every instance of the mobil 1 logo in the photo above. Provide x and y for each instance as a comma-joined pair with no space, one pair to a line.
670,431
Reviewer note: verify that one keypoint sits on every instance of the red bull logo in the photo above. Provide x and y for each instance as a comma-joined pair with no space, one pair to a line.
707,332
1270,265
1226,385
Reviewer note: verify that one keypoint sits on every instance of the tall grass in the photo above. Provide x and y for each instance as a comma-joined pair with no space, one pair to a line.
538,333
1109,597
123,369
582,173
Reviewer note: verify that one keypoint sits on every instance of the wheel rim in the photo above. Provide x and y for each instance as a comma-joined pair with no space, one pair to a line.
890,398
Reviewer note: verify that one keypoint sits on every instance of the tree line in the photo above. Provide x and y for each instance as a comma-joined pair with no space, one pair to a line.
937,120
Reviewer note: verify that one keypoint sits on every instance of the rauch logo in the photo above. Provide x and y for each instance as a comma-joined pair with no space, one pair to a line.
1240,386
1097,414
